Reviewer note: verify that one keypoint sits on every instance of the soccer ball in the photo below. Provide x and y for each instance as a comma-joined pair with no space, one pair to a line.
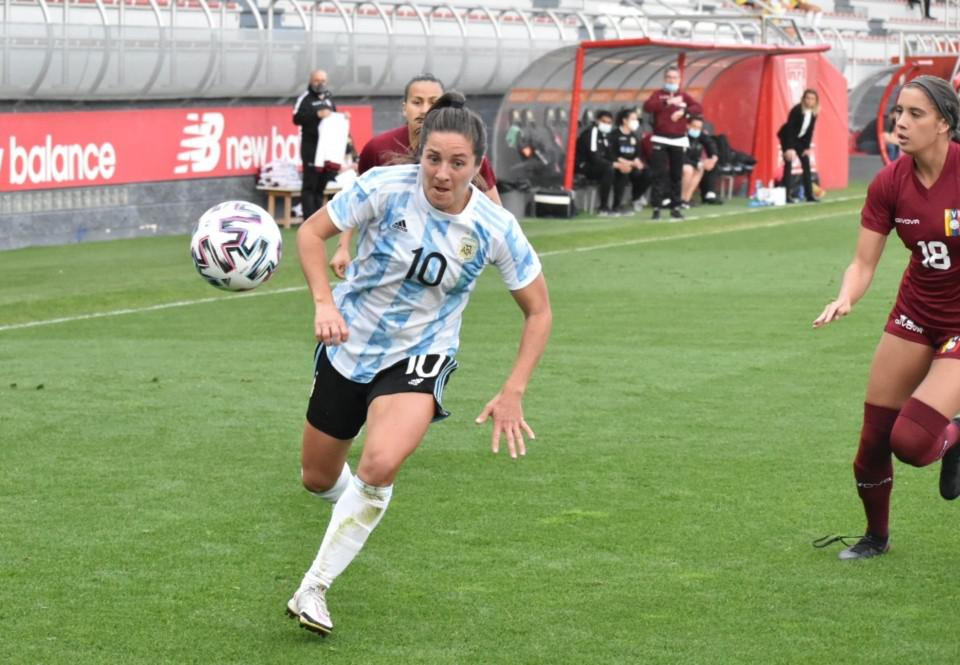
236,246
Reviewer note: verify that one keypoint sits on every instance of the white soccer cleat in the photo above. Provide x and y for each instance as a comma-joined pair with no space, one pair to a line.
309,605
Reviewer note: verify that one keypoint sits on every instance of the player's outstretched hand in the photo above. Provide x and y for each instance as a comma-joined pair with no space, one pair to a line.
832,312
507,412
329,326
340,261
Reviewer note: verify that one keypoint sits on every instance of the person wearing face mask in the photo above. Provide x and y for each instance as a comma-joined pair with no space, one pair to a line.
699,162
397,145
593,157
628,168
307,113
670,109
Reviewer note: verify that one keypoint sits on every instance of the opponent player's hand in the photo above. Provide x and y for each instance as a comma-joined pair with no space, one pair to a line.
676,115
329,326
832,312
507,412
340,261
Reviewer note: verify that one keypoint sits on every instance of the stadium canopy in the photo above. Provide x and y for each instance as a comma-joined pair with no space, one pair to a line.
746,92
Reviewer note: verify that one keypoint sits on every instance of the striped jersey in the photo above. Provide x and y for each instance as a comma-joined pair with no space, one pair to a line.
415,268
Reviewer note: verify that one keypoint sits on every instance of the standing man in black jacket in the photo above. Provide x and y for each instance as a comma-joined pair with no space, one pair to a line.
796,135
306,113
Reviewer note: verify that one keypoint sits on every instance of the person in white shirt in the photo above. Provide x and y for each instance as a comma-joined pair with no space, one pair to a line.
388,335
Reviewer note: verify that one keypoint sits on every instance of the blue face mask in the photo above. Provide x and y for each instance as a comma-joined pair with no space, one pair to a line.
671,87
694,133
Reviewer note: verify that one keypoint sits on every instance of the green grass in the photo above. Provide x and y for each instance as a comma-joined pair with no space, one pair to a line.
693,436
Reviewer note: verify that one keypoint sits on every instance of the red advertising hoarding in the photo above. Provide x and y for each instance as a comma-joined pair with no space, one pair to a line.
92,148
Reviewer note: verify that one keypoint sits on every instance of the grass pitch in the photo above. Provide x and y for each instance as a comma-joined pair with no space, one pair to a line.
694,434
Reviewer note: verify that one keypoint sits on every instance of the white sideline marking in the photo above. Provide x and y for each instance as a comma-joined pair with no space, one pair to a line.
291,289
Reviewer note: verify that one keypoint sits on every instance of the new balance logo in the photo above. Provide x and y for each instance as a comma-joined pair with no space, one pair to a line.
415,382
399,225
200,146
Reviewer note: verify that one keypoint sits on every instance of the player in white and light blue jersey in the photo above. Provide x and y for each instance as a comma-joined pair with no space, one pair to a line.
389,333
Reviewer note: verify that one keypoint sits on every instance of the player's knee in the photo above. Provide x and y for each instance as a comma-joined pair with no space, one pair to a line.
916,434
378,467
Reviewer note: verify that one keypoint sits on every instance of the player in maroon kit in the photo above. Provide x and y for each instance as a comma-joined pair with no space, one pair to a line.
914,385
384,149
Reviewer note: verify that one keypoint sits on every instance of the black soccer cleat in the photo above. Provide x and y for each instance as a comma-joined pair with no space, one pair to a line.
656,215
866,548
950,472
676,213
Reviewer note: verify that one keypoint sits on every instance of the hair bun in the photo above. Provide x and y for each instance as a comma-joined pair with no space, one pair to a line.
452,99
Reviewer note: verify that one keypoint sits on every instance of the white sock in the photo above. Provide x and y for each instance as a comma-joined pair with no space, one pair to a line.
334,493
354,517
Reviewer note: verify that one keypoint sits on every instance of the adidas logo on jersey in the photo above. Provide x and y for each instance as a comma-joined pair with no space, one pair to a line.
415,382
399,225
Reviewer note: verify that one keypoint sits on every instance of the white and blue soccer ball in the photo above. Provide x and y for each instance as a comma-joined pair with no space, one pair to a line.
237,246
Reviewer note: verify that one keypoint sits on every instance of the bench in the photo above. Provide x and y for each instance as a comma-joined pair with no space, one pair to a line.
286,194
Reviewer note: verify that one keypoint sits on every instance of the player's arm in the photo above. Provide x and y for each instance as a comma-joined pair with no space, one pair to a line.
329,326
857,277
506,407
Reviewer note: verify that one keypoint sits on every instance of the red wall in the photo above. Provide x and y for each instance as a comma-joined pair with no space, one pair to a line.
76,149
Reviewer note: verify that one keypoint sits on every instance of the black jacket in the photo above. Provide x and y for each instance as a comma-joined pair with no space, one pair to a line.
593,148
789,132
305,115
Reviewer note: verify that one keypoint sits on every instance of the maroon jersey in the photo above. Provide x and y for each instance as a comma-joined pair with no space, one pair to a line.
382,148
659,105
928,223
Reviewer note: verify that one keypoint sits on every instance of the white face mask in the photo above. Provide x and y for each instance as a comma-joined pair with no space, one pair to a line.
634,125
604,127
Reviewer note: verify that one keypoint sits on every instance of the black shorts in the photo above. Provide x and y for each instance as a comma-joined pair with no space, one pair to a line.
338,406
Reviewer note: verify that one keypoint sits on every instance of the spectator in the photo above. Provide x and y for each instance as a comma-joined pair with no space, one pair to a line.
795,136
813,14
593,157
307,114
627,165
890,138
670,109
924,7
699,164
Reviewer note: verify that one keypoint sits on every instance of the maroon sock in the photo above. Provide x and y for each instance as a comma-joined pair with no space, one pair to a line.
922,434
873,467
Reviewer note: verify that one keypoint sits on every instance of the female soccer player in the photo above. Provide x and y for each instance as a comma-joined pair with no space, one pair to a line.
385,149
796,135
389,333
914,385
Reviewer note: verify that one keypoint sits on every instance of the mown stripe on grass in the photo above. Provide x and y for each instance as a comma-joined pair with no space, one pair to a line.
588,248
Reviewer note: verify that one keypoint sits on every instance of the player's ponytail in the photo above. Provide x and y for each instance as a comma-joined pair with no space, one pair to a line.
943,97
450,114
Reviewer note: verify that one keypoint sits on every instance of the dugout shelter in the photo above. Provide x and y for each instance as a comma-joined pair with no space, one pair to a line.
746,92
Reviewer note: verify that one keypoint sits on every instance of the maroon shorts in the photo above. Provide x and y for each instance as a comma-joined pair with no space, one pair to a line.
946,343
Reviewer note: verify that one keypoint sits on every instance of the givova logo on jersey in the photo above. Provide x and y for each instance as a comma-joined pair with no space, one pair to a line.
951,222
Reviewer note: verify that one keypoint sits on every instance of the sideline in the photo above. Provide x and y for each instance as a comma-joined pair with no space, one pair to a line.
572,250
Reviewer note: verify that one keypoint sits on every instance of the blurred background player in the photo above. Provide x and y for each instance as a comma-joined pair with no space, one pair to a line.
670,109
307,112
399,144
914,385
593,157
699,165
796,135
628,168
389,334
